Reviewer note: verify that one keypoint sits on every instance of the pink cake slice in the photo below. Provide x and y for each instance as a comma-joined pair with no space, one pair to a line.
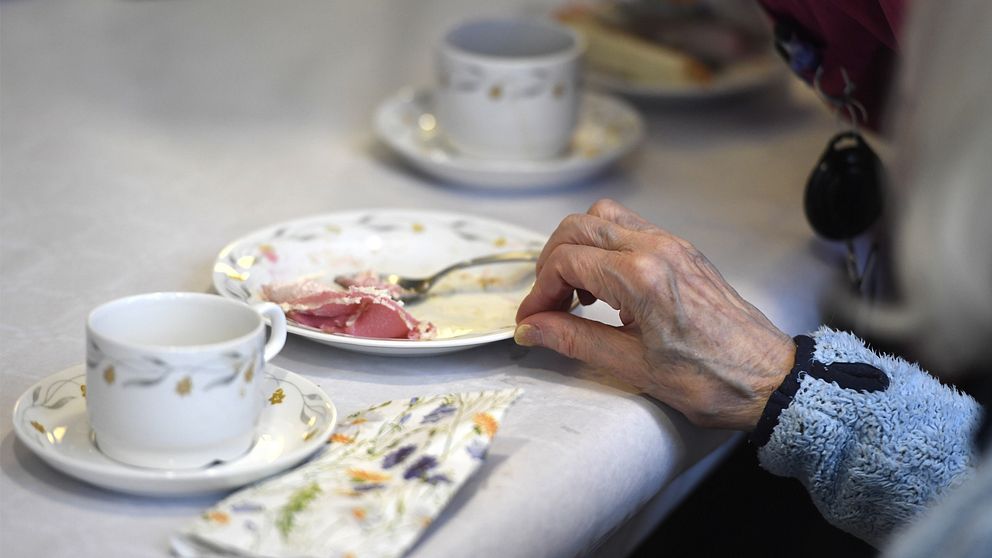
368,279
359,311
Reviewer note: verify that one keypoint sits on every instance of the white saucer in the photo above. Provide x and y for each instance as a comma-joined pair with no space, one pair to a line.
608,129
50,419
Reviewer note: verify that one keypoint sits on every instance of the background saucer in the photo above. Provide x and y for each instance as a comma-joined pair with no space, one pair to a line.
50,419
608,129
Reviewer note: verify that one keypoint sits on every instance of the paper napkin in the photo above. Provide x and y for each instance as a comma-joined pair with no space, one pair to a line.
388,472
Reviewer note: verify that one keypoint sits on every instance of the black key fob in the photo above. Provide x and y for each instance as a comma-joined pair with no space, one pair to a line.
844,192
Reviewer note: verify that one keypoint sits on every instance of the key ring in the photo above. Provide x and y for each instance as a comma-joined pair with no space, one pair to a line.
857,114
843,193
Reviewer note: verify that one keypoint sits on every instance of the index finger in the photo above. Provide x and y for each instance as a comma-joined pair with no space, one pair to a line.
585,230
616,212
571,267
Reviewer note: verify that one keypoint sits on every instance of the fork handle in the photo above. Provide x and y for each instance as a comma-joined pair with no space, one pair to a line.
505,257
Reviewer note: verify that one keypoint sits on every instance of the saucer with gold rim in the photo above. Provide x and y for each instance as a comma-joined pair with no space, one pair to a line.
608,129
50,419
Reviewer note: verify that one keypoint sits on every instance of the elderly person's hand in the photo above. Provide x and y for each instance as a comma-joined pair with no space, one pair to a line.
688,338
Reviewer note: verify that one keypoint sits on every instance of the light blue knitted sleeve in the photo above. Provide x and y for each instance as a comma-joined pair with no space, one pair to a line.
873,461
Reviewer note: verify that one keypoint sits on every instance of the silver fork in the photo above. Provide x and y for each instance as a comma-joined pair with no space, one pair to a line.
413,289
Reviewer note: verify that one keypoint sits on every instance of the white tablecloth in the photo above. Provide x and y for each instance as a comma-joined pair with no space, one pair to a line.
139,137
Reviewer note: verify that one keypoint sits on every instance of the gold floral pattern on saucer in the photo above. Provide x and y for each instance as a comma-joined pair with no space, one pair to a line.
50,419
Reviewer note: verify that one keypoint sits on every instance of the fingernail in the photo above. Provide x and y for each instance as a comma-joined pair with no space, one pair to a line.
527,335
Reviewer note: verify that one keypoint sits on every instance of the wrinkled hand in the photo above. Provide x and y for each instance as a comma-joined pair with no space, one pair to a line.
688,338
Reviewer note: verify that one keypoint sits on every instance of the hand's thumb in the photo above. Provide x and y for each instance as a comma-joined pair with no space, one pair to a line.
586,340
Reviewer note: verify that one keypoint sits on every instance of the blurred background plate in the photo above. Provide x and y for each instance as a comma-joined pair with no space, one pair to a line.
675,49
741,78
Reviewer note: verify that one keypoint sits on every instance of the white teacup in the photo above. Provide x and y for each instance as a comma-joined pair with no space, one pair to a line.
508,88
174,380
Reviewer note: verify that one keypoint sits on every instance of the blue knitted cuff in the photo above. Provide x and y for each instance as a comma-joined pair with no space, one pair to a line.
857,376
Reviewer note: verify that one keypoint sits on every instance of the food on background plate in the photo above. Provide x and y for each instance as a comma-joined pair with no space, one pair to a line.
362,311
662,42
612,50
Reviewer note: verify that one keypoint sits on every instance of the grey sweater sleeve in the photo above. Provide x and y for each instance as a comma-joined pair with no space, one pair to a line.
872,461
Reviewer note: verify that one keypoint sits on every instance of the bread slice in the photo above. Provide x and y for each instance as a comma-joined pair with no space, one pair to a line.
612,51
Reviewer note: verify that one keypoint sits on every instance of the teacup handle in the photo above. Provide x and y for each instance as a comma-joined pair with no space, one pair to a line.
278,322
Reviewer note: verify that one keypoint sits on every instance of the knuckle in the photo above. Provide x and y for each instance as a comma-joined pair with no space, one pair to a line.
686,244
571,221
603,206
688,250
667,247
680,244
560,254
674,249
643,265
610,234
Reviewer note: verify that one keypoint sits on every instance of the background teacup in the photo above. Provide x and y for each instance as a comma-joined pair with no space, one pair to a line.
508,88
174,379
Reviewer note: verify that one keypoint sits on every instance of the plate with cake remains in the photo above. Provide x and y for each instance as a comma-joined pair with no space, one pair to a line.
321,270
675,49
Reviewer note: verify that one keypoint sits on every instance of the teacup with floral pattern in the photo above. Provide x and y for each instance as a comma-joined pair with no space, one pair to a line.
508,88
174,379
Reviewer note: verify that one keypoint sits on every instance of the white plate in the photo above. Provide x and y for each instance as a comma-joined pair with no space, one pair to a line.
471,307
740,78
50,419
608,129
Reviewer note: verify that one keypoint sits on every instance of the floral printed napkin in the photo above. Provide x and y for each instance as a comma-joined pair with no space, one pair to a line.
387,473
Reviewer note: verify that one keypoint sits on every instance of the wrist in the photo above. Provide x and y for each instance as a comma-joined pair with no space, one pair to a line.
782,361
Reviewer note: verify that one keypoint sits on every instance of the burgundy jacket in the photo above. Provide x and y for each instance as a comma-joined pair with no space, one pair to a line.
862,36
